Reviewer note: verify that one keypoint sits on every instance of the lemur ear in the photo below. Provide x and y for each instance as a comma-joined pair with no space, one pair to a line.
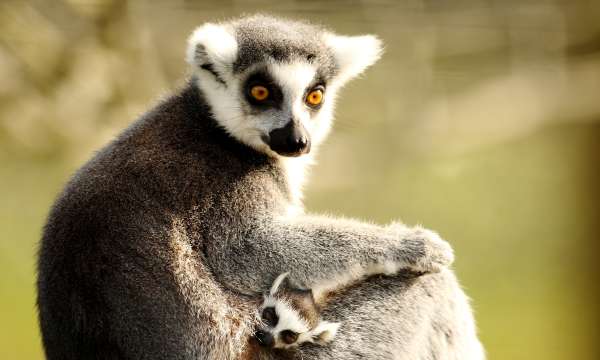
353,54
325,332
277,283
212,47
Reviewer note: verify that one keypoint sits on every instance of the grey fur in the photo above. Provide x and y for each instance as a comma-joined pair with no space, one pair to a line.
260,37
159,245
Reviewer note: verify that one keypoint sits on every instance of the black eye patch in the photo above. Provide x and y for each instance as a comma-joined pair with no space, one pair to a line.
288,336
261,78
269,317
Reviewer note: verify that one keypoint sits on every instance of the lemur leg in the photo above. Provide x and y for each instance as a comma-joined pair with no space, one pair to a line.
400,317
320,252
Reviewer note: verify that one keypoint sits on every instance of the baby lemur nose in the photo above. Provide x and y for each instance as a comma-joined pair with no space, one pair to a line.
290,140
264,338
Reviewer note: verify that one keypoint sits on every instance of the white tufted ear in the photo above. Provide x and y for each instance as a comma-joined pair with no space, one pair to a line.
212,46
277,283
325,332
353,54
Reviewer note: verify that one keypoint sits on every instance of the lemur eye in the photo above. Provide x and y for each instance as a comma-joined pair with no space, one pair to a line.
288,336
315,97
259,92
269,317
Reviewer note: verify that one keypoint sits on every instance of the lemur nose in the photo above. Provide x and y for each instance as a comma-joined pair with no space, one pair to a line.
290,140
302,141
264,338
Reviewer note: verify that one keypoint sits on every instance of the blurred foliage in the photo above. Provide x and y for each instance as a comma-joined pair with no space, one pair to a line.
482,122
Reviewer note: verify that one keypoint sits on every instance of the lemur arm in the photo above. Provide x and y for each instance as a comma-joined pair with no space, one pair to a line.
321,253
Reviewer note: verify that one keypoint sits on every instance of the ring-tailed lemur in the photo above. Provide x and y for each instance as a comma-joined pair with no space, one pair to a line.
157,245
290,317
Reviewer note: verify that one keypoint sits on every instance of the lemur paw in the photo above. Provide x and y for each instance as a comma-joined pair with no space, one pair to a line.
438,252
424,250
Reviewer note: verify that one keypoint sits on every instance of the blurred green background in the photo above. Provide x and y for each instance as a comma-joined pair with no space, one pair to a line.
482,121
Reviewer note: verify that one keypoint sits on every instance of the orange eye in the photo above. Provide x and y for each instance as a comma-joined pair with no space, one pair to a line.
259,92
315,97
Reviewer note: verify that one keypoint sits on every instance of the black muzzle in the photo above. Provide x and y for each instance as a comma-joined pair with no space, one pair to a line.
290,140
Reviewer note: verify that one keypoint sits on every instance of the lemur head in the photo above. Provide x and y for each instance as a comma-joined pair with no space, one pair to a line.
291,317
271,83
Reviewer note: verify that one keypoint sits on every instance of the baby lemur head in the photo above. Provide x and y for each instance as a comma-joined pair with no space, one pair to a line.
291,317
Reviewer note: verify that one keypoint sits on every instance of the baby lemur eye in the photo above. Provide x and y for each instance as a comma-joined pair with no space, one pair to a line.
269,317
259,92
288,336
315,97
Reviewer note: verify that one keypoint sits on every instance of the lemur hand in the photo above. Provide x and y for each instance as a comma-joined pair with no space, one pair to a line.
421,250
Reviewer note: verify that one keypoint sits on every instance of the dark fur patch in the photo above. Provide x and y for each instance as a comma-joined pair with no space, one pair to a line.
303,303
262,77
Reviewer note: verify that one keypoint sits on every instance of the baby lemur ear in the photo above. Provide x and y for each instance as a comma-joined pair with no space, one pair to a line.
324,332
353,54
213,48
279,283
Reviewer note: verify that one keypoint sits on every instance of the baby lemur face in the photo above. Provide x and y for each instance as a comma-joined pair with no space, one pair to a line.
291,317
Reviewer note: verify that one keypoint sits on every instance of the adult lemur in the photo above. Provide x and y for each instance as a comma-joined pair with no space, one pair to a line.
159,244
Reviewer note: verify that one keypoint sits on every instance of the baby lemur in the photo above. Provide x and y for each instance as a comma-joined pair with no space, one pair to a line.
291,317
